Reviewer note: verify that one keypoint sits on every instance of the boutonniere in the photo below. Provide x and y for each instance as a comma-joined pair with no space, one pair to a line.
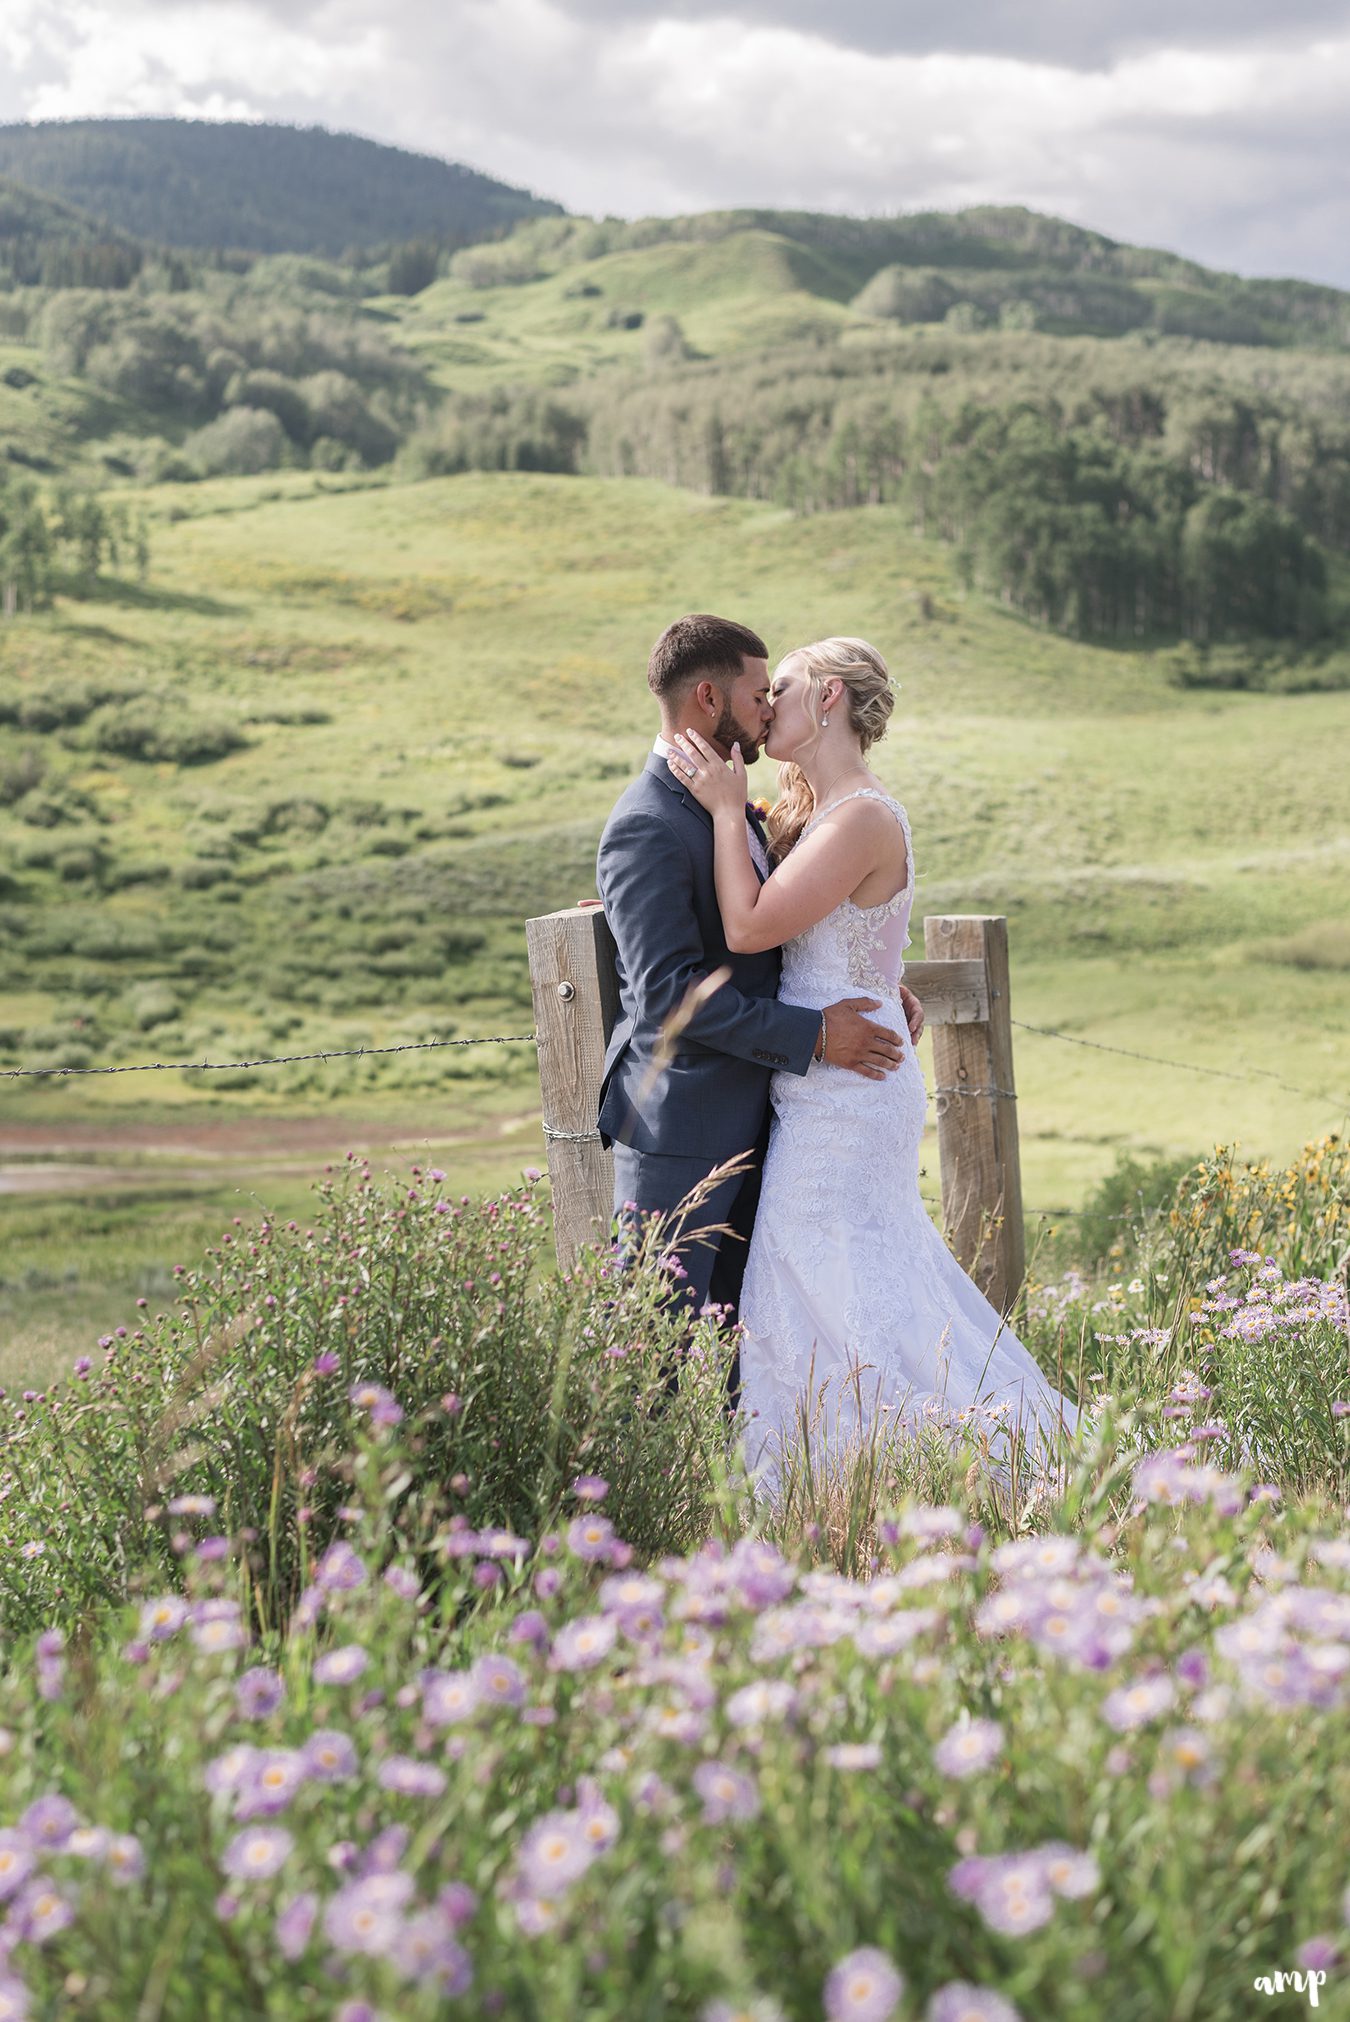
759,807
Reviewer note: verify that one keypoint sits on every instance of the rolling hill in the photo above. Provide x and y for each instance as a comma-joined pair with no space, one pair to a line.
262,188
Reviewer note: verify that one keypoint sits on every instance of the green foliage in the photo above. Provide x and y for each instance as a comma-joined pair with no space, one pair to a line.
412,267
314,369
371,1615
1126,512
63,540
157,734
519,1385
1117,1212
44,243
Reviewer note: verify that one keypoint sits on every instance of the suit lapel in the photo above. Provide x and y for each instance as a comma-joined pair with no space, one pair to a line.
658,768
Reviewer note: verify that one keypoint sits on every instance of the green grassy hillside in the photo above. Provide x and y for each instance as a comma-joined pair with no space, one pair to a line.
296,788
302,789
988,266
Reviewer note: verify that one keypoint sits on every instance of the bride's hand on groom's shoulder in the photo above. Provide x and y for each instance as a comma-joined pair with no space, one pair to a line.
713,783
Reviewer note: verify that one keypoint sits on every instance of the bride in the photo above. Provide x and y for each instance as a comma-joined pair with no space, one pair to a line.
851,1297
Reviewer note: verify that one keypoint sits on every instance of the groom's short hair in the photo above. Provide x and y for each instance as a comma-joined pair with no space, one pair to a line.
700,648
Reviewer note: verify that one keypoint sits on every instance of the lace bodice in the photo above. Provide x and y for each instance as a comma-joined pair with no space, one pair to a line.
854,949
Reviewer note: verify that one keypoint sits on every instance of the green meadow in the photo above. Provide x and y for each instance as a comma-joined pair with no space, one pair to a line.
300,790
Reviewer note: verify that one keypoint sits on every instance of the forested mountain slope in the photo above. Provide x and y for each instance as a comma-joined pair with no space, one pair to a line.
200,183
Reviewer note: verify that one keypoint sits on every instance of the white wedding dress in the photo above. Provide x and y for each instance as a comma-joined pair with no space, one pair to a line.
850,1294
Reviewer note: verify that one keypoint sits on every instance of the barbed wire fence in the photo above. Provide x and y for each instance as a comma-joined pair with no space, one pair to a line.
330,1053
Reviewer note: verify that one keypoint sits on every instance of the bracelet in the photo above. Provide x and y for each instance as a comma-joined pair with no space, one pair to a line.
824,1039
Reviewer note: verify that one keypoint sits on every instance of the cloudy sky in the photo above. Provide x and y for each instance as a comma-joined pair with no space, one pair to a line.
1217,129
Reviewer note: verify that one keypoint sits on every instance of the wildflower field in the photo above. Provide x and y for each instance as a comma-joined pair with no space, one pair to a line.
386,1637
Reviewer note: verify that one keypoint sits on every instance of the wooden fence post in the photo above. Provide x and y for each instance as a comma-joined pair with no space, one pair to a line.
977,1111
963,984
576,999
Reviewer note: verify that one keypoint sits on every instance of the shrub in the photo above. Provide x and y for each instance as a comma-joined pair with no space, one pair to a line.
148,730
20,772
239,443
517,1386
1117,1210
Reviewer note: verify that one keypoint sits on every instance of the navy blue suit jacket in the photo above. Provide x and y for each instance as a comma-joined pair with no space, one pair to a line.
655,876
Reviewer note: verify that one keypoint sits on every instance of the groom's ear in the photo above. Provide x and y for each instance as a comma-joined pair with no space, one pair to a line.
709,698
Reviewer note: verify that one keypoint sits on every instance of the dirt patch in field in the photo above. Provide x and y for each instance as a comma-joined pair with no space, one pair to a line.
195,1150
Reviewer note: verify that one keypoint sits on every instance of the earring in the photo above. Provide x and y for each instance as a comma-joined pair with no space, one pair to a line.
825,719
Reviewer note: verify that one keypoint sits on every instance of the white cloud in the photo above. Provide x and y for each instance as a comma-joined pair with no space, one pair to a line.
1232,154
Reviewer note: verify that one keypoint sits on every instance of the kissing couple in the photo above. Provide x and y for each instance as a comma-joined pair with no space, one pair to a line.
802,1056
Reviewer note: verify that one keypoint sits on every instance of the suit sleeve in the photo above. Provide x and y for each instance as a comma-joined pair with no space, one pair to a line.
646,881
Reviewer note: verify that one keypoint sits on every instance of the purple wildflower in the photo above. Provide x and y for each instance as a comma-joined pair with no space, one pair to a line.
408,1777
17,1861
341,1667
191,1505
458,1903
295,1923
385,1851
257,1853
763,1700
1069,1872
448,1697
214,1629
502,1545
726,1793
529,1627
499,1681
383,1407
230,1771
403,1582
367,1915
863,1987
629,1594
275,1776
40,1911
1133,1706
590,1488
162,1618
590,1537
124,1858
326,1363
330,1756
340,1568
1011,1891
426,1950
582,1644
968,1747
853,1755
49,1822
958,2001
14,1998
1319,1954
554,1853
259,1692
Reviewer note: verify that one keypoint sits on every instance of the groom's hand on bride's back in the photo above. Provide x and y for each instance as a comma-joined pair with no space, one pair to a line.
853,1041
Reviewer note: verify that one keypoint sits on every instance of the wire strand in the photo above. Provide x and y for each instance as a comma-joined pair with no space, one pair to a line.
1185,1066
271,1060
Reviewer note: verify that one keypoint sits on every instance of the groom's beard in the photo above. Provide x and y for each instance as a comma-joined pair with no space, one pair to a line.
728,732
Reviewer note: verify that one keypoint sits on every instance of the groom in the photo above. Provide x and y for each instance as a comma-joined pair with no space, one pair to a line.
673,1112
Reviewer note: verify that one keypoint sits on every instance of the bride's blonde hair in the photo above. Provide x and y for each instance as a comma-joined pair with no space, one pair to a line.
869,698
